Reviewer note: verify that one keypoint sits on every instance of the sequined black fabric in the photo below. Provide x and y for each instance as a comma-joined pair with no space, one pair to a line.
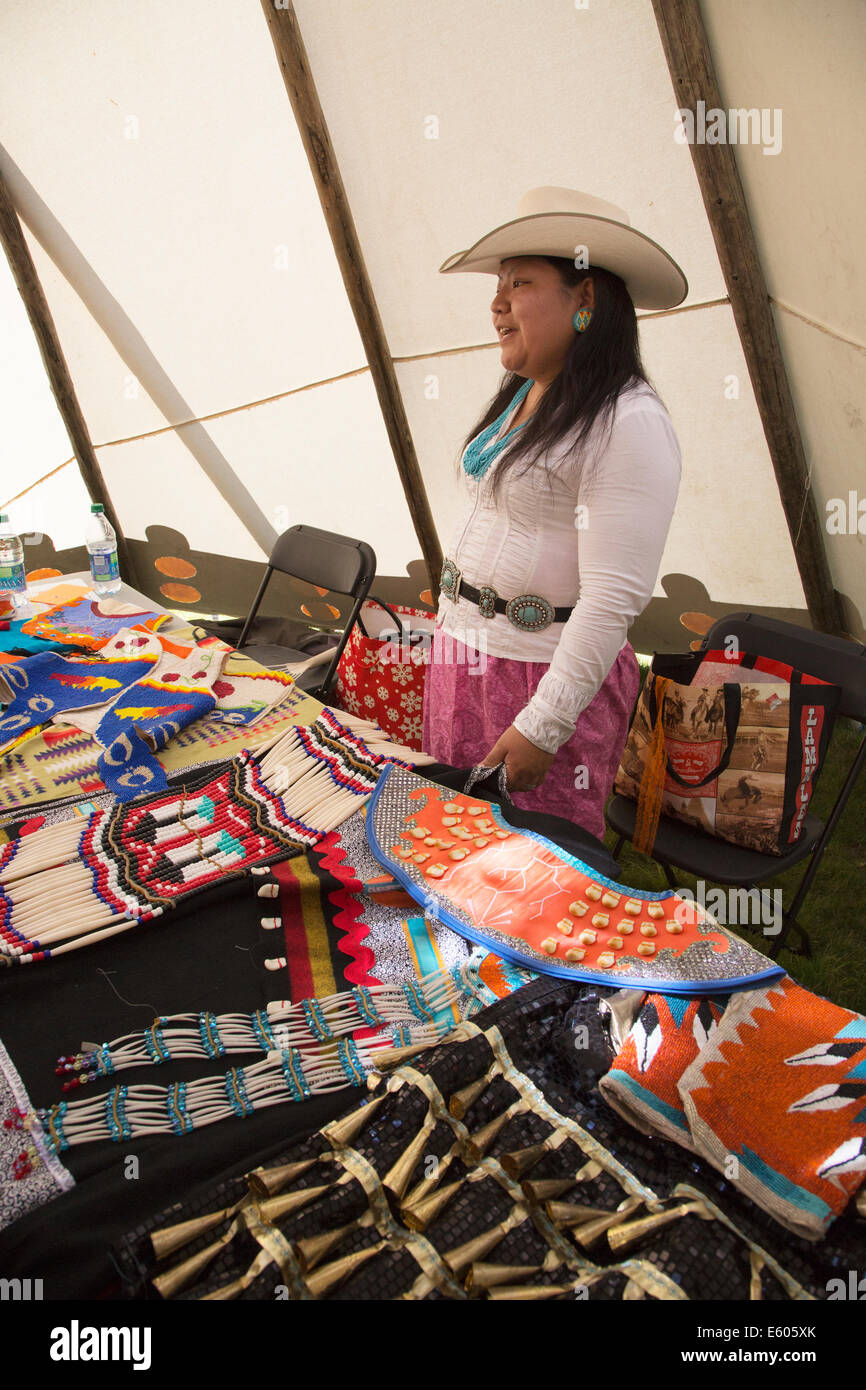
510,1222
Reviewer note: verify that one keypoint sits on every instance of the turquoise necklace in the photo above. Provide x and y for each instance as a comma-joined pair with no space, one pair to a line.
480,452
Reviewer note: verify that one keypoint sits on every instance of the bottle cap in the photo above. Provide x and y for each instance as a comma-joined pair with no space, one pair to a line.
97,507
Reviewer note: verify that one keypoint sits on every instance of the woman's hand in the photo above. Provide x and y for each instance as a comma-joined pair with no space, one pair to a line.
525,765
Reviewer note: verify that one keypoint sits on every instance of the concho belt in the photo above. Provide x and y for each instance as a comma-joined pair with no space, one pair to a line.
529,612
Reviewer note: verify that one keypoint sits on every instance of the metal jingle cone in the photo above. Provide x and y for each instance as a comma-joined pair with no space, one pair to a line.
314,1248
632,1231
267,1182
487,1276
226,1293
575,1214
461,1100
330,1275
343,1131
172,1238
397,1178
477,1248
526,1293
427,1186
481,1140
545,1189
522,1159
392,1056
271,1210
586,1234
418,1215
175,1279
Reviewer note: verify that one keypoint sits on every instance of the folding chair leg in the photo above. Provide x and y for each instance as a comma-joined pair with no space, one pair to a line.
669,873
790,926
618,846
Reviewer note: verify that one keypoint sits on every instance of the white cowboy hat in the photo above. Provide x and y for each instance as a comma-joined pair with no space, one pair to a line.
558,221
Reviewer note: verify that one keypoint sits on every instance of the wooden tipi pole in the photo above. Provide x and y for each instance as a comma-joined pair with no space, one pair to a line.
690,63
30,289
294,65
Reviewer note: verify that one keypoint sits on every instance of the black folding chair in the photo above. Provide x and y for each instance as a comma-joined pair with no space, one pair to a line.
689,848
339,563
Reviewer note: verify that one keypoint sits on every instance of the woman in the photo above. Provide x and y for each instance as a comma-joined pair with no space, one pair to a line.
571,475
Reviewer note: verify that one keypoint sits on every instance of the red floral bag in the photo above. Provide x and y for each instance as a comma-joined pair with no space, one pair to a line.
381,672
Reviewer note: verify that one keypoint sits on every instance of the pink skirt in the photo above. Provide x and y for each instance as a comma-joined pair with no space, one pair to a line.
467,708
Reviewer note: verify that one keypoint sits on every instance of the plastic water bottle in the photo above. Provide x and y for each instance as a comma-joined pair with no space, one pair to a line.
102,549
13,583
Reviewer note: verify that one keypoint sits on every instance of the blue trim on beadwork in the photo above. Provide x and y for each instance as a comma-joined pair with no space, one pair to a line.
263,1031
155,1043
577,972
316,1021
293,1071
414,999
350,1061
237,1093
366,1008
175,1104
115,1114
209,1034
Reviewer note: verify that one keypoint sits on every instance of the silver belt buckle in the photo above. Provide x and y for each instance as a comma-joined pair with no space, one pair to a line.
529,612
450,580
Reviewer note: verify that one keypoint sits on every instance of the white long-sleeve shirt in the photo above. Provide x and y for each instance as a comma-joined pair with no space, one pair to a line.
591,536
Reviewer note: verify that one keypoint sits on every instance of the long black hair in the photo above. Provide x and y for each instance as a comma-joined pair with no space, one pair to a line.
600,363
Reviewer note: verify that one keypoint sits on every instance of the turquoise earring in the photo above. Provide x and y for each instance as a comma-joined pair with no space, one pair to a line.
581,320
